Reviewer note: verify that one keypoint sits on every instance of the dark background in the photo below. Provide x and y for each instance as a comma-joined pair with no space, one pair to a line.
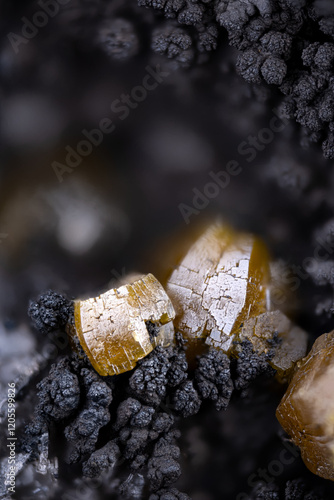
118,211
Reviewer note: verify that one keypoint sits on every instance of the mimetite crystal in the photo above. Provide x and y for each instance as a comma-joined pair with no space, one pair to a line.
306,411
292,340
221,282
112,327
221,293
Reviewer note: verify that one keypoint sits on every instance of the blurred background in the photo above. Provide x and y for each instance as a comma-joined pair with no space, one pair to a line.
120,209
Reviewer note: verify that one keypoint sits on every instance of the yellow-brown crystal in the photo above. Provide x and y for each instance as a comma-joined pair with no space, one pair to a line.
112,327
306,411
220,283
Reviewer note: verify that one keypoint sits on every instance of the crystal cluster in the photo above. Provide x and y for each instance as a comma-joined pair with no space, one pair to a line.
221,293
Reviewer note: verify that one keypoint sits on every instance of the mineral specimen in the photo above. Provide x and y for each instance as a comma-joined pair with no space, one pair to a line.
306,411
50,312
221,293
112,327
213,378
221,282
292,340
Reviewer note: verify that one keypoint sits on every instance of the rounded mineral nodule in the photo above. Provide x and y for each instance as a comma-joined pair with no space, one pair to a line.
306,411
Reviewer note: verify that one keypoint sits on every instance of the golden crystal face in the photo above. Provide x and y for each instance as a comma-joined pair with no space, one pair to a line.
306,411
220,283
112,330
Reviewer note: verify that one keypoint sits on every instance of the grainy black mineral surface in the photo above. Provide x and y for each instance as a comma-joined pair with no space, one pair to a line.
51,312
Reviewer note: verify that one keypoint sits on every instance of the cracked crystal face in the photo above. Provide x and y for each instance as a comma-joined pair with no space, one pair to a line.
112,327
306,411
220,283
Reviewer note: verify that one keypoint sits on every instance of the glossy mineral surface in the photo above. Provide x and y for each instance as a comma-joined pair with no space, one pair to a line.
306,411
220,283
112,330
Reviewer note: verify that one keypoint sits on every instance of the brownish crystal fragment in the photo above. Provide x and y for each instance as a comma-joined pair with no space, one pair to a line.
112,327
306,411
292,340
220,283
